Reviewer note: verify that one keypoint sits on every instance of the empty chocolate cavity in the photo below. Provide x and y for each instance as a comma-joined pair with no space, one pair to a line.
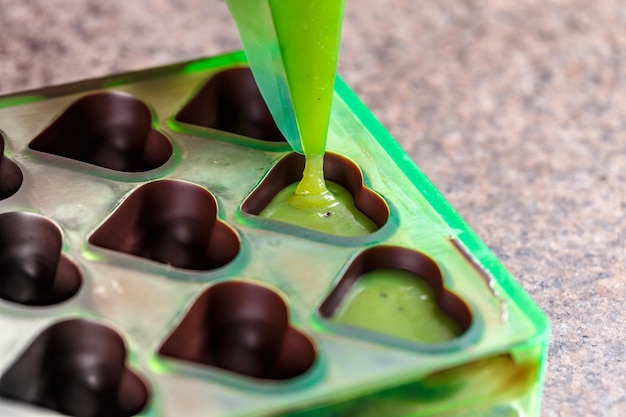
230,101
10,174
399,292
244,328
337,169
76,367
172,222
34,271
107,129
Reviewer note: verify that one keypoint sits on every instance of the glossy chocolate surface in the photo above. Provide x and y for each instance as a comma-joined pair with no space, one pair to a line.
76,367
107,129
172,222
34,271
243,328
230,101
11,176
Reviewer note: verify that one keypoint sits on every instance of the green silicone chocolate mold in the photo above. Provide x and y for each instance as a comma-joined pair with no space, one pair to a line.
142,280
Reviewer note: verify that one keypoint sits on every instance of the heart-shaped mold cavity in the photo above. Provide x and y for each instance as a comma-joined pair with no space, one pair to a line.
230,101
398,292
339,173
172,222
34,271
244,328
108,129
11,176
76,367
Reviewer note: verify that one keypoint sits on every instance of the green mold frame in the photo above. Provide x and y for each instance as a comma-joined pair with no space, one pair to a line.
495,370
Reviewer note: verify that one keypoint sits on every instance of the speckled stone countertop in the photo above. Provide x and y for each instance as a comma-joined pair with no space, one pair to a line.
516,110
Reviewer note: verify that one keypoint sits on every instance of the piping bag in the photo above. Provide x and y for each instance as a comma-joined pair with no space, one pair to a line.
292,47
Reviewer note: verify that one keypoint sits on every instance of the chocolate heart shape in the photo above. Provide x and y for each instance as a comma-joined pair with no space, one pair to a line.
337,169
11,176
230,101
77,367
34,271
244,328
107,129
173,222
398,292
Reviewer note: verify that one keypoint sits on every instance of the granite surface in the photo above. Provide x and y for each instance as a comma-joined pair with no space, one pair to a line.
516,110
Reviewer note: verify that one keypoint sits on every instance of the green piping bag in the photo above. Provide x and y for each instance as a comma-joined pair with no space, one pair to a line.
292,47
